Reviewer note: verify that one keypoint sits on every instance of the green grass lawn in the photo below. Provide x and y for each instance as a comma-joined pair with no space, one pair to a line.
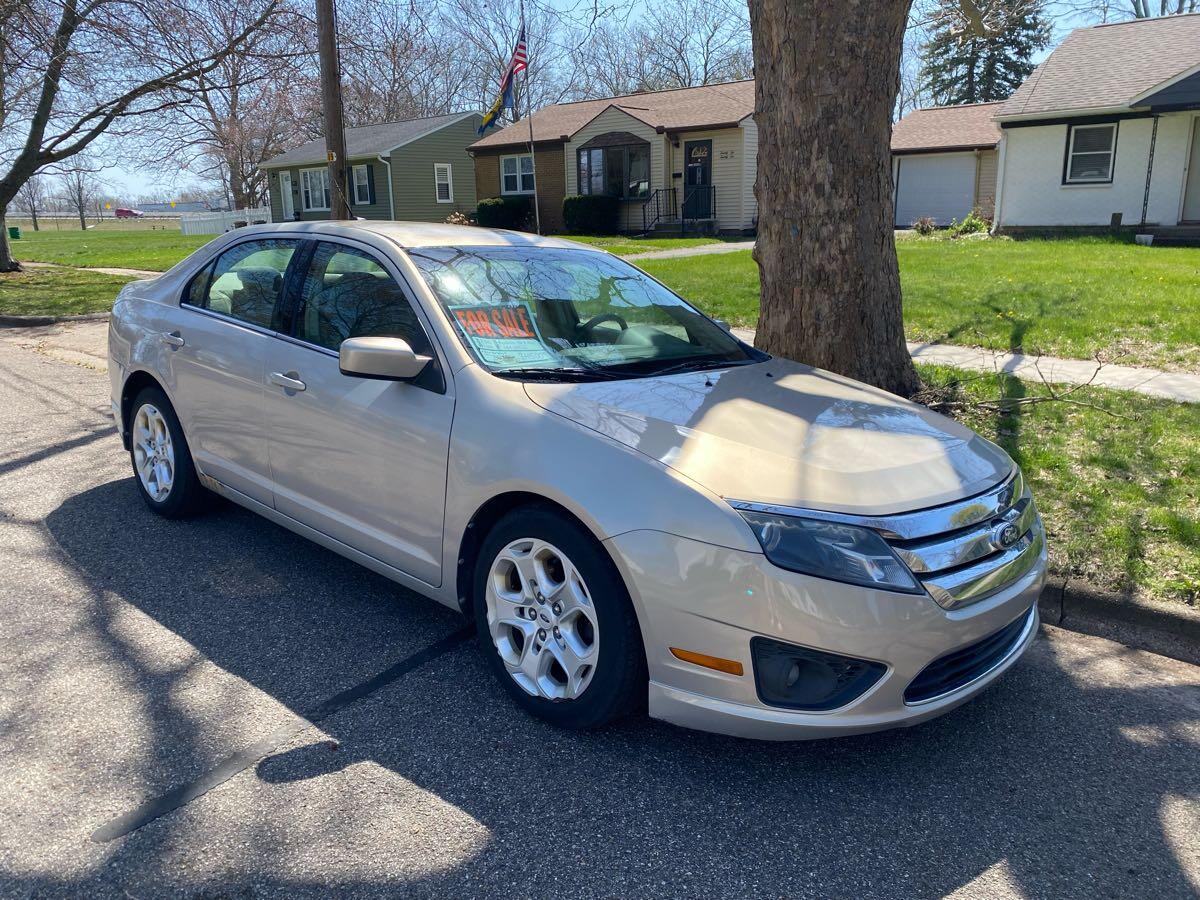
57,292
142,245
623,245
1135,305
1120,496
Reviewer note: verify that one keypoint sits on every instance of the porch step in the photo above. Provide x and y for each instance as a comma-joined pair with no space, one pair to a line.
1176,236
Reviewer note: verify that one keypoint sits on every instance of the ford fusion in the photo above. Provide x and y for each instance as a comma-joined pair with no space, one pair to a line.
635,509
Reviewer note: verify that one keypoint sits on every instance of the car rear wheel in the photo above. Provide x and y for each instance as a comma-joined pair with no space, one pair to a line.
162,462
556,622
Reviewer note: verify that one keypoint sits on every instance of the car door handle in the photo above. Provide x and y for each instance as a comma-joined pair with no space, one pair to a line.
286,381
173,338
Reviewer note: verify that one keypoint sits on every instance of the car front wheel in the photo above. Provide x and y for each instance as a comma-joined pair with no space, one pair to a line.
556,621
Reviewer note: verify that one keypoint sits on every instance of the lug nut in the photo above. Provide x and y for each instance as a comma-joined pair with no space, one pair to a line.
557,609
541,634
557,633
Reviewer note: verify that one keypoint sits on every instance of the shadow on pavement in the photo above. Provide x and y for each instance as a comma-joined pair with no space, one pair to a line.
1037,775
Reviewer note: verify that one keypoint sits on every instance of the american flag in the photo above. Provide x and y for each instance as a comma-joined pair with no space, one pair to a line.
519,61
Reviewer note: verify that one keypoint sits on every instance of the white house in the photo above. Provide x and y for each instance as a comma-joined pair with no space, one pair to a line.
1105,132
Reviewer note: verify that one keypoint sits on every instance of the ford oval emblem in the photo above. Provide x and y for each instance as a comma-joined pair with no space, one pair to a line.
1005,535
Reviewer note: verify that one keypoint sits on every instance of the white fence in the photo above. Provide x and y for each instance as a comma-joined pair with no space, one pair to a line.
221,222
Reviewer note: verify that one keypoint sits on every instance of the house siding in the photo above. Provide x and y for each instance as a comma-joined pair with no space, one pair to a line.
749,174
728,173
1033,194
551,184
413,184
377,210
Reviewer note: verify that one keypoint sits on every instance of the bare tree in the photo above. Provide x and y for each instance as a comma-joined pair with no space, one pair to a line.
826,249
80,188
73,70
31,198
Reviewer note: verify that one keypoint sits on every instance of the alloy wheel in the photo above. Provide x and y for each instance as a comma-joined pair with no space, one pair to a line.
541,620
153,452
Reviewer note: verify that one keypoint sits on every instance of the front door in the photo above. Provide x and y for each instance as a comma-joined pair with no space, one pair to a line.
1191,198
697,180
285,196
360,460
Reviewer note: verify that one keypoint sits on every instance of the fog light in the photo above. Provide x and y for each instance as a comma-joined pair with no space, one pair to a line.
800,678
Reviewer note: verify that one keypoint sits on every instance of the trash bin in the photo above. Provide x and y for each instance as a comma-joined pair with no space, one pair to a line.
14,233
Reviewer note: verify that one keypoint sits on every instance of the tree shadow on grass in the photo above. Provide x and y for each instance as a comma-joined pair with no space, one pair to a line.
1037,777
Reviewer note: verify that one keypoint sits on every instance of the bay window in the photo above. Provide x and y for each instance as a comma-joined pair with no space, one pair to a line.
618,171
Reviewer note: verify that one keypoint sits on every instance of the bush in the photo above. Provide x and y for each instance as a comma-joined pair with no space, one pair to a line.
591,214
505,212
974,223
924,226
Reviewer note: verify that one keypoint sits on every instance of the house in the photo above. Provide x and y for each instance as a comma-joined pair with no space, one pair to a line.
944,163
673,157
1106,131
416,170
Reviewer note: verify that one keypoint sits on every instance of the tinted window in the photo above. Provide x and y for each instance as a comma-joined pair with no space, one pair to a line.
346,294
247,281
198,286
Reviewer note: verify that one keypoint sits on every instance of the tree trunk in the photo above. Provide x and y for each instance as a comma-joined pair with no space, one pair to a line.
82,220
7,263
33,216
827,76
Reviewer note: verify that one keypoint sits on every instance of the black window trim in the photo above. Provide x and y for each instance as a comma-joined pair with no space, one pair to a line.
1112,166
605,149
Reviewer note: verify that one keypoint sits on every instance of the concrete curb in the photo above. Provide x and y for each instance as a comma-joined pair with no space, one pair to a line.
35,321
1168,629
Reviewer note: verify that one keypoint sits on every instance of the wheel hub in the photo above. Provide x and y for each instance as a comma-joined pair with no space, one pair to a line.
541,619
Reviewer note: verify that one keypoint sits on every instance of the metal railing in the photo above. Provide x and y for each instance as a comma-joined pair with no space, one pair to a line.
699,203
658,206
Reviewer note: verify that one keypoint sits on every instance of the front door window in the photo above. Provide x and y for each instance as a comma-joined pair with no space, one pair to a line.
697,182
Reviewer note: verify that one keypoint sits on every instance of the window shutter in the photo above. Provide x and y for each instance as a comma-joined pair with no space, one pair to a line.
370,184
349,176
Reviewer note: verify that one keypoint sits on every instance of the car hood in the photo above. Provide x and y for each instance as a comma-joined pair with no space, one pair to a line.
782,433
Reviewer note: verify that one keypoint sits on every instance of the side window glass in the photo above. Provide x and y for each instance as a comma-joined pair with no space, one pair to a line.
248,280
198,287
347,293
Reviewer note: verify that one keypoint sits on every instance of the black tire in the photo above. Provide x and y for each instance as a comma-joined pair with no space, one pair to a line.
619,683
187,496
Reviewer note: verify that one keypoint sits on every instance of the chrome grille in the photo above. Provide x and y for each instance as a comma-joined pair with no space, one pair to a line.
962,552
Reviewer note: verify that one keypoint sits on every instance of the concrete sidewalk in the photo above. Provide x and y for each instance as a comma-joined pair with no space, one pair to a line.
702,250
103,270
1182,387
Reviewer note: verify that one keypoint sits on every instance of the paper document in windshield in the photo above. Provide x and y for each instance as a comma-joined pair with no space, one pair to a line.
504,335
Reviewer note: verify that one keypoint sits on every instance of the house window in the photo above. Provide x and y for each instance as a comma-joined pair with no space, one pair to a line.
617,171
362,185
443,182
1090,153
314,189
516,174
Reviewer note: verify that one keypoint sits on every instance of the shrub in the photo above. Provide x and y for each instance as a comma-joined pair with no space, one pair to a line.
924,226
973,223
458,217
505,212
591,214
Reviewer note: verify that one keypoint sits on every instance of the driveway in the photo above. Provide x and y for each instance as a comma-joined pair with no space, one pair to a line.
153,676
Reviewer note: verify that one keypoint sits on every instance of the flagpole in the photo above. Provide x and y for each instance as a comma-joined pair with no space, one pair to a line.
537,213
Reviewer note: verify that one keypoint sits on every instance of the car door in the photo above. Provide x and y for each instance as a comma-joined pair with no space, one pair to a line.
226,327
359,459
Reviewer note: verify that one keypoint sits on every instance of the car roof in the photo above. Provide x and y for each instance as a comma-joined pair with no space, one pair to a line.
422,234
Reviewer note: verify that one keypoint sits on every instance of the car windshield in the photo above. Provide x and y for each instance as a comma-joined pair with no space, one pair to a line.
547,312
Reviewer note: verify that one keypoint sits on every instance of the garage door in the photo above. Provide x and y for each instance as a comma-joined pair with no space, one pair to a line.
938,185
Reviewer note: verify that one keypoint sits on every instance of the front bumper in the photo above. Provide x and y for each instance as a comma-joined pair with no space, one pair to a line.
713,600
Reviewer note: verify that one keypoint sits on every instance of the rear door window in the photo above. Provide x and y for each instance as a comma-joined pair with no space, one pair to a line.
247,281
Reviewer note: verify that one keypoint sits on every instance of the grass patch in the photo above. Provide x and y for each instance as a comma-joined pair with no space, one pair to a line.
110,245
1120,496
623,245
1072,298
57,292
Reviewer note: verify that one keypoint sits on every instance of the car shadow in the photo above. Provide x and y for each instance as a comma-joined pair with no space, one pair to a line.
1039,775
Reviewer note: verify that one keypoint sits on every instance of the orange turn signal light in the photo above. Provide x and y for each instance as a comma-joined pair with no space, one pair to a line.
728,666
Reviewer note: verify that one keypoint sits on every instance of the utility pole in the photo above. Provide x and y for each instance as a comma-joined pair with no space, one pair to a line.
331,107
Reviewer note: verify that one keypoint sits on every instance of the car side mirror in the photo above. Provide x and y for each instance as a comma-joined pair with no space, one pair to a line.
388,358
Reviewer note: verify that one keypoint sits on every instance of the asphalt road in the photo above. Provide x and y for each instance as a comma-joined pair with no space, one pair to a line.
160,669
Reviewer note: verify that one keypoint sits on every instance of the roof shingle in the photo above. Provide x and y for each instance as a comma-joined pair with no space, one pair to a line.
368,140
1107,66
707,106
947,127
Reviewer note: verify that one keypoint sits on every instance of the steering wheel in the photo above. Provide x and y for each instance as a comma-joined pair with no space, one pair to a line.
601,319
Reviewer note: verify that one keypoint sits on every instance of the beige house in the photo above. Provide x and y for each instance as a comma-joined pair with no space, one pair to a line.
675,158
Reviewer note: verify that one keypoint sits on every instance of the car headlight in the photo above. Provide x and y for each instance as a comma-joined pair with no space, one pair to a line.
848,553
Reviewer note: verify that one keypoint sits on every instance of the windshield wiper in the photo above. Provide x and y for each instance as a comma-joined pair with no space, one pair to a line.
697,365
551,373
